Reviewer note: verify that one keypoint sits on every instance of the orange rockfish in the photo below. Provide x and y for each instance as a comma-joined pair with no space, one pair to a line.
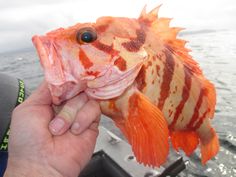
143,78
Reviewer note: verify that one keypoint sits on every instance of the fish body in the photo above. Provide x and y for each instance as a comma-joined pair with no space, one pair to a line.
143,77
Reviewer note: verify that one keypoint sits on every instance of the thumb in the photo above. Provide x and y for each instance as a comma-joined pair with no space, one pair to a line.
41,96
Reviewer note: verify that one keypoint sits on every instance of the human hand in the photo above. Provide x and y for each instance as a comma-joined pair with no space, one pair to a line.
34,147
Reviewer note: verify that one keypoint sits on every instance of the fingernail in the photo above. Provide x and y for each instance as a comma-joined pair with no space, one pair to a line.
56,125
75,128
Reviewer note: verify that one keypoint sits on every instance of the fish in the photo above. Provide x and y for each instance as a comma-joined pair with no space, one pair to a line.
143,77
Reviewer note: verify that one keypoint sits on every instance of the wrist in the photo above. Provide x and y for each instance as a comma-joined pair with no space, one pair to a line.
22,168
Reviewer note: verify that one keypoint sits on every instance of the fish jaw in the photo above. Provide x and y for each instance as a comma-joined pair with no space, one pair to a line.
63,81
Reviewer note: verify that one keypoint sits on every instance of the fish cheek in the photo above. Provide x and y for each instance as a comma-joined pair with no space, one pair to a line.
84,59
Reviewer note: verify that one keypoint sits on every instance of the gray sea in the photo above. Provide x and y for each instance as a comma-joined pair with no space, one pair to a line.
215,50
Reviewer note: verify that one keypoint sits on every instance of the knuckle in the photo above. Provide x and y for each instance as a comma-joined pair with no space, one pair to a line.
67,114
89,112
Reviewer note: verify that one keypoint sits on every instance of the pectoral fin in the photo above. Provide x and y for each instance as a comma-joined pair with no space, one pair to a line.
146,130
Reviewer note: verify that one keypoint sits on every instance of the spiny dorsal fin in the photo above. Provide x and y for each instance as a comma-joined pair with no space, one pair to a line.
151,16
169,36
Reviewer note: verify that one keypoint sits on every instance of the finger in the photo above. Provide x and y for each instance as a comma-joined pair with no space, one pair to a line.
41,95
94,125
89,114
64,119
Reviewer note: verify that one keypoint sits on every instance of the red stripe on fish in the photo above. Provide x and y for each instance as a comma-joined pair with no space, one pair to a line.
196,109
135,44
158,70
85,60
201,119
149,64
140,79
185,96
93,73
167,78
121,64
103,47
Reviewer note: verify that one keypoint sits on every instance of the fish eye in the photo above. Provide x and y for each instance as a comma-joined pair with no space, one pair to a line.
86,35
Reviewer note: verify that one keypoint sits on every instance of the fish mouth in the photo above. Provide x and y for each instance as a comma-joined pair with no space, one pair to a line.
61,83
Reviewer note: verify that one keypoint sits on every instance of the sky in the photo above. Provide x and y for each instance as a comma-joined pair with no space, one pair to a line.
21,19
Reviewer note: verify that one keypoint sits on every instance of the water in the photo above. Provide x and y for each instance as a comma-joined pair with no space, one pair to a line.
216,53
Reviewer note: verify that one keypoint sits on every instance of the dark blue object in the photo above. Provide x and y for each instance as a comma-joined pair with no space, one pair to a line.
86,35
12,94
3,162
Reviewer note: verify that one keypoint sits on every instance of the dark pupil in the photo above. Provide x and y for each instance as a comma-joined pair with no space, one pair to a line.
87,36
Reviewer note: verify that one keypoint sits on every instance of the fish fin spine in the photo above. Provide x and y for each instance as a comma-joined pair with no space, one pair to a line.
169,36
149,17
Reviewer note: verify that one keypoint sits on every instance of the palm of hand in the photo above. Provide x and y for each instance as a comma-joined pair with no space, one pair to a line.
66,154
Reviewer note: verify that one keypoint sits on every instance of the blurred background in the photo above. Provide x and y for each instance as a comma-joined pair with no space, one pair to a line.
19,20
210,29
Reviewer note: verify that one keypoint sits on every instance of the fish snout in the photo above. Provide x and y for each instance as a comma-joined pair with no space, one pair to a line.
63,80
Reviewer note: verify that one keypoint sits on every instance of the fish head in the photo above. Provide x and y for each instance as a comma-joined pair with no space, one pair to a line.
90,56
